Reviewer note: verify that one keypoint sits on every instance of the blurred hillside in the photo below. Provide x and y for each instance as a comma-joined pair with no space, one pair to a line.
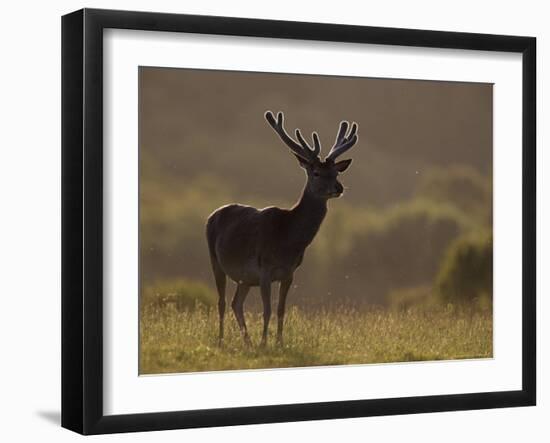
420,180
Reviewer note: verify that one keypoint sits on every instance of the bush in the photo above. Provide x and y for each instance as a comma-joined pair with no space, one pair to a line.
183,294
466,274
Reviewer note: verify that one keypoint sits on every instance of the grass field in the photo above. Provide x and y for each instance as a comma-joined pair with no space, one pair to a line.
186,341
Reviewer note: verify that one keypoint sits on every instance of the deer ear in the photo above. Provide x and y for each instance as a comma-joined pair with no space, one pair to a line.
303,163
343,165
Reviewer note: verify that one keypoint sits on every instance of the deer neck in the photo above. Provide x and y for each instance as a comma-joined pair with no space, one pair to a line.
307,215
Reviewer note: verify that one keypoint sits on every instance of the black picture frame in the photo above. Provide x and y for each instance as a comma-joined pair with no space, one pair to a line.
82,220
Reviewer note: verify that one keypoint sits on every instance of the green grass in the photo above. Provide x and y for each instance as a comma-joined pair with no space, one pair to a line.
186,341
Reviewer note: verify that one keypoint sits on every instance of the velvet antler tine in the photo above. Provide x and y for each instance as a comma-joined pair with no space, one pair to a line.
352,131
316,144
341,132
302,141
270,119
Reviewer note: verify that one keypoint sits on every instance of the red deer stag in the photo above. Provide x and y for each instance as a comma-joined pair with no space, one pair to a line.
256,247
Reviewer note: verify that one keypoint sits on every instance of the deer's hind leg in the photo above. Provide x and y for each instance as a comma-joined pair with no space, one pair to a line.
238,308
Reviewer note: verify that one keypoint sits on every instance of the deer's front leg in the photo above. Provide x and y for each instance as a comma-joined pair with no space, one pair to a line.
265,288
283,291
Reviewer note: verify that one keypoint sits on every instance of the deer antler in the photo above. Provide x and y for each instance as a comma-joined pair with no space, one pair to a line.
343,142
302,150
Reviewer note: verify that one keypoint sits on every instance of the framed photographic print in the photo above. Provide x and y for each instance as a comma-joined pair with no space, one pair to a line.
269,221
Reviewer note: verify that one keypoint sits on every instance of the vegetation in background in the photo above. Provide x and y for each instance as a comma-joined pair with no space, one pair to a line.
466,274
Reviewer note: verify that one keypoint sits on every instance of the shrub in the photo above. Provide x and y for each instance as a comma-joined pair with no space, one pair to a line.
466,274
183,294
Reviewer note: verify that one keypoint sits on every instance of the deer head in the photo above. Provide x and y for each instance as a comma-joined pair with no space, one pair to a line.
322,175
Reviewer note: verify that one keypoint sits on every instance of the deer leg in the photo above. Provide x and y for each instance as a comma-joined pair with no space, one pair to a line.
283,291
265,288
220,278
238,308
